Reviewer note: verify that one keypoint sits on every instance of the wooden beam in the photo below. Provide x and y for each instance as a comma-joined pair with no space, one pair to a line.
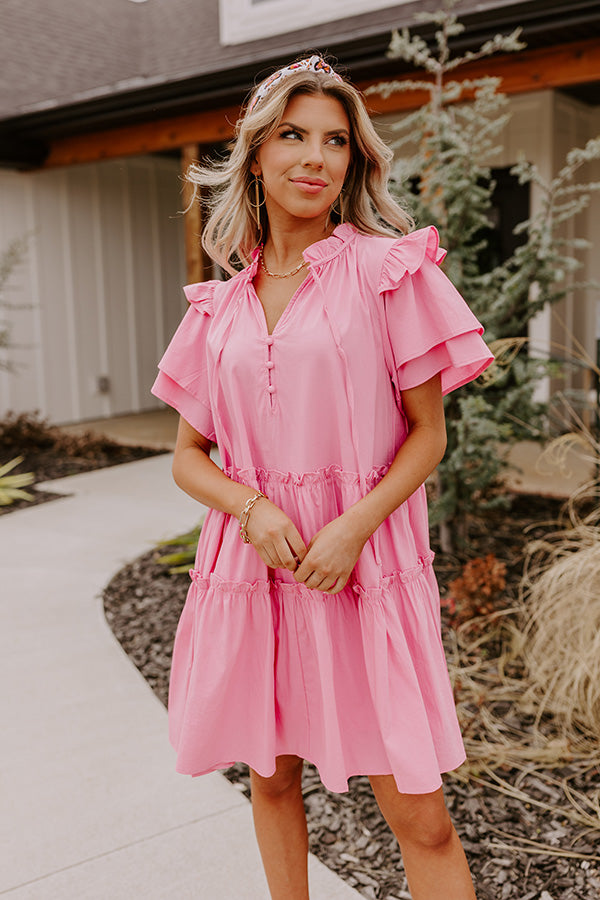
211,127
528,70
198,264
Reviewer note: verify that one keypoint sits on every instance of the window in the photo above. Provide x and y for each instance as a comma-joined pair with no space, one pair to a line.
251,20
510,207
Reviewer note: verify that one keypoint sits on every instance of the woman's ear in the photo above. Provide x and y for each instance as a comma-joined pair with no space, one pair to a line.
255,167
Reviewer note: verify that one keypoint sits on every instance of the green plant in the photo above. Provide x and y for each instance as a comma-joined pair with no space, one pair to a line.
182,558
445,147
11,486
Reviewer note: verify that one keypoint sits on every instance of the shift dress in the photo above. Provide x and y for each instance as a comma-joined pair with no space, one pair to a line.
311,414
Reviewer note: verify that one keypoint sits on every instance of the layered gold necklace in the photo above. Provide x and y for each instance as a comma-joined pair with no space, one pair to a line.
261,260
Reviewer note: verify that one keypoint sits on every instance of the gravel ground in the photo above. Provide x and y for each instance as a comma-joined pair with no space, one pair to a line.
516,849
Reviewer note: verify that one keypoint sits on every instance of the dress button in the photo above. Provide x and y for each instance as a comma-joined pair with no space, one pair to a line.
270,364
271,389
269,342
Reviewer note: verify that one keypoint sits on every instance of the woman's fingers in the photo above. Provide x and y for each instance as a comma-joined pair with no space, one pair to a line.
297,545
327,585
332,554
320,581
287,558
338,585
268,554
275,537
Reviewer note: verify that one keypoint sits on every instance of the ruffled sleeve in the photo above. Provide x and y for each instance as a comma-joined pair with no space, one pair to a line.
429,325
183,377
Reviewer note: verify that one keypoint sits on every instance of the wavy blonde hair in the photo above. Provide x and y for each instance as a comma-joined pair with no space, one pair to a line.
232,230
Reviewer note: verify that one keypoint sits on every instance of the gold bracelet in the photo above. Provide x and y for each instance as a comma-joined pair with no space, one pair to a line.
245,515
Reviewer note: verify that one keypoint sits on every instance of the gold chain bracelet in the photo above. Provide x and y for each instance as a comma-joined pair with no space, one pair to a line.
245,515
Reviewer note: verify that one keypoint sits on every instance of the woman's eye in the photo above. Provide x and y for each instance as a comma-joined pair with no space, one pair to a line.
290,134
339,140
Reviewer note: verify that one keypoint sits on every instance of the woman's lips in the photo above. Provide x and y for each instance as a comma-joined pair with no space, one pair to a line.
309,187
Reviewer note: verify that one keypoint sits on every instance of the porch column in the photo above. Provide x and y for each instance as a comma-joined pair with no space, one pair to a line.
198,264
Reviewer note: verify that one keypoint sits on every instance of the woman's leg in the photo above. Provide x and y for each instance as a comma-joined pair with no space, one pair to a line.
281,831
434,860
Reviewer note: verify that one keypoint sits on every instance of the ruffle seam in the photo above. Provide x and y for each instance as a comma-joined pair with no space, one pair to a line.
264,586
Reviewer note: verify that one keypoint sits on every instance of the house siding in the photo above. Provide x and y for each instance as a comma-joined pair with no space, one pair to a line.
102,276
573,325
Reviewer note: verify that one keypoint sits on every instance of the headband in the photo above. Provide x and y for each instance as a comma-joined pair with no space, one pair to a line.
311,64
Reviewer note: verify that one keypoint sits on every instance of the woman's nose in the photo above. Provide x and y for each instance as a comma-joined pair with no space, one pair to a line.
313,155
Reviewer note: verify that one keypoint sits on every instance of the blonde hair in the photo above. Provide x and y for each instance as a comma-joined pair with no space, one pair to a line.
232,230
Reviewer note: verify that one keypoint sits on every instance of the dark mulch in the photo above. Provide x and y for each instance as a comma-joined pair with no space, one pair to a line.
142,605
51,453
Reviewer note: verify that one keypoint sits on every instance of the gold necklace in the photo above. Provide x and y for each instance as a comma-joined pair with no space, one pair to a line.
279,274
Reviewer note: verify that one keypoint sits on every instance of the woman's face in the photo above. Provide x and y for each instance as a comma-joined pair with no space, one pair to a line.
304,163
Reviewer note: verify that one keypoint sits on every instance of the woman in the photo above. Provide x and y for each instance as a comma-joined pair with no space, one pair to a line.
319,370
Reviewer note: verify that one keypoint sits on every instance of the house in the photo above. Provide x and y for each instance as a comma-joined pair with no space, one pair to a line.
103,105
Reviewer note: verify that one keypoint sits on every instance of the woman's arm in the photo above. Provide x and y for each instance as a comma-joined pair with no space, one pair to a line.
334,550
272,533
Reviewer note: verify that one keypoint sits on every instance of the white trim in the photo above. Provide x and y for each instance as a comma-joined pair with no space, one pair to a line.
157,260
130,291
250,20
102,318
36,299
67,259
5,392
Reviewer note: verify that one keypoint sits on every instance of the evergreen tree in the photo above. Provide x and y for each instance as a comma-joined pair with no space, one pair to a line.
444,150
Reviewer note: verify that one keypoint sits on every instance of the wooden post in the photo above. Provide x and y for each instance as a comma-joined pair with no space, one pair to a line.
198,265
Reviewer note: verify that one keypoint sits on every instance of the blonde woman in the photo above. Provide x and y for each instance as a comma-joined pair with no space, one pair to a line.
312,629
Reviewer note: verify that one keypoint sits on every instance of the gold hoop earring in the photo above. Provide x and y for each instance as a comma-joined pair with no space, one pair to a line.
257,201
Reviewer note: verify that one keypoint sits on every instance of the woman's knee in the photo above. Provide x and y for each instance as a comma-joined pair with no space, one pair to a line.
418,819
287,777
429,830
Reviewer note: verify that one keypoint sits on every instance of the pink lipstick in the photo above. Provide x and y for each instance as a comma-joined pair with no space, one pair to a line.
310,185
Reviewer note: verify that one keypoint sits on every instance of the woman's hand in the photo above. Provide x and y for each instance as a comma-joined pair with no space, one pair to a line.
331,557
274,536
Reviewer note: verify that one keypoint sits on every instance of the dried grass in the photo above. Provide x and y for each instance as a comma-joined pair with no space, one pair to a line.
510,747
560,592
561,639
527,678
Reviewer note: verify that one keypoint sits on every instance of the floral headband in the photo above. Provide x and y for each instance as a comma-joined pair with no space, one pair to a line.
311,64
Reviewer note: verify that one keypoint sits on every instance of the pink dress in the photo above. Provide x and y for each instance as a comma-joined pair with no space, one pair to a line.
356,682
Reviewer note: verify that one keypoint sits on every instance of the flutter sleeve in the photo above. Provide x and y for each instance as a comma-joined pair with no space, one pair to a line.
183,377
429,326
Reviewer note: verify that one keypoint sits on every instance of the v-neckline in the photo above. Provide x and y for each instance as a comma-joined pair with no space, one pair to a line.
286,309
319,252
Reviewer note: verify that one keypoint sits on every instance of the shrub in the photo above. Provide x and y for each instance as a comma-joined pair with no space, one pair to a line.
478,590
28,431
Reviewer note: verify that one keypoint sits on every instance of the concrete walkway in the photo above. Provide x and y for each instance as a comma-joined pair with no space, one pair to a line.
91,805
